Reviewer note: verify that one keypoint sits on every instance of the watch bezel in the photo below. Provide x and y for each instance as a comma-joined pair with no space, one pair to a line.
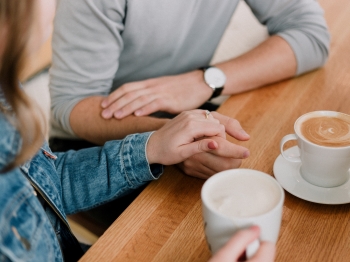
214,77
217,90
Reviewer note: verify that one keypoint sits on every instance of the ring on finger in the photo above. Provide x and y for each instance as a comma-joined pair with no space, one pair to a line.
207,113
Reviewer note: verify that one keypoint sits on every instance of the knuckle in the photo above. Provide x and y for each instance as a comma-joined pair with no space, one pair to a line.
129,96
216,120
233,122
222,128
227,165
187,114
237,163
143,99
159,102
187,170
187,164
187,124
182,155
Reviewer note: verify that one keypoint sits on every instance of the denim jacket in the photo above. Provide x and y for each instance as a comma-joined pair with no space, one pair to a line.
70,182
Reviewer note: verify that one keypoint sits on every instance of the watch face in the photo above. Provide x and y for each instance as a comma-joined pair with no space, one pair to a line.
214,77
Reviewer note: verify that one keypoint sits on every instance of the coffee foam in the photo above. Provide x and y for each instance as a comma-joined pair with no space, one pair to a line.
244,196
326,130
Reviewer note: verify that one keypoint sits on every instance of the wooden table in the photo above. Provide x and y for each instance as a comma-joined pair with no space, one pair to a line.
164,223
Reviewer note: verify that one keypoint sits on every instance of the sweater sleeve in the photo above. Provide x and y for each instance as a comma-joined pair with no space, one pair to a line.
86,46
301,23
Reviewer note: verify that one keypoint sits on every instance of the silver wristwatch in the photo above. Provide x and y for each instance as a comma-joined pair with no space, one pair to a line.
215,79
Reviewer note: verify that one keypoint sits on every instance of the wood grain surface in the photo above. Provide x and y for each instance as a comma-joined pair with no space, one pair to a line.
165,223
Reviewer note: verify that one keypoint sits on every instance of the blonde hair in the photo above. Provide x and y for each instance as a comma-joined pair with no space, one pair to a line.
17,21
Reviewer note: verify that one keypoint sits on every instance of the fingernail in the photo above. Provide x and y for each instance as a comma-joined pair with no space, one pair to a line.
243,132
106,113
104,103
255,228
118,114
246,154
212,145
138,112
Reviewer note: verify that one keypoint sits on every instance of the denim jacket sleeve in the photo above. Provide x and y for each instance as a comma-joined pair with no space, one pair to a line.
10,142
92,176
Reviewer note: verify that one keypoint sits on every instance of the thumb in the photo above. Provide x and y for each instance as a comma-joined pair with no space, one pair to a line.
200,146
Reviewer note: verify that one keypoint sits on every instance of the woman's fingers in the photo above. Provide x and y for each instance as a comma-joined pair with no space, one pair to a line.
191,133
236,245
196,147
229,150
266,253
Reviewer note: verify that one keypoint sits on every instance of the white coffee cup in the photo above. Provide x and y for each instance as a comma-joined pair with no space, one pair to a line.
238,199
321,165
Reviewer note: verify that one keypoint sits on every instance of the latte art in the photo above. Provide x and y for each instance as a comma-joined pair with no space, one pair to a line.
327,131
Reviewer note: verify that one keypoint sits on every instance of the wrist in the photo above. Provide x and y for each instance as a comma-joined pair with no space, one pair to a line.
203,89
151,149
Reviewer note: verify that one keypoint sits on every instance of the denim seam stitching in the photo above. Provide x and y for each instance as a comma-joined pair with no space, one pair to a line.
122,155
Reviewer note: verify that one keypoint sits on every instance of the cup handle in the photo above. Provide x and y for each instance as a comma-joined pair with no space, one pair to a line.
295,159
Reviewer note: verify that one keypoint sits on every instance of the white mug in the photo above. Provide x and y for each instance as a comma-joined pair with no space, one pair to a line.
220,226
322,166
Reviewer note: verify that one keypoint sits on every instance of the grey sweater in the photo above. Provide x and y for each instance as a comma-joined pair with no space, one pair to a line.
98,45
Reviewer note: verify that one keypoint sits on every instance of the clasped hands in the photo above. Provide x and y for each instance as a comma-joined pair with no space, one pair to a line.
199,143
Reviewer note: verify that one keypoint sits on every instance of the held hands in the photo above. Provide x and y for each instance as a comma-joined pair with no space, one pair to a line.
238,244
227,156
172,94
191,133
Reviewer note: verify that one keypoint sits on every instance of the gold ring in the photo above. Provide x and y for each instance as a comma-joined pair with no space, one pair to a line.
207,113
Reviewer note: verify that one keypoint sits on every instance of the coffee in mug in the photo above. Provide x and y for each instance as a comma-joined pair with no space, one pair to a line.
237,199
329,131
323,139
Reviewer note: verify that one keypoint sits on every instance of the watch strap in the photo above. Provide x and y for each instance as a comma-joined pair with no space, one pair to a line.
217,92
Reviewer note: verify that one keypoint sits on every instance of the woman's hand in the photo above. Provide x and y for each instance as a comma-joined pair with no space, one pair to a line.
226,156
188,134
237,245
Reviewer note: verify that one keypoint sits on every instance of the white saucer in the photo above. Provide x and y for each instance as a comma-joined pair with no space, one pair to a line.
288,175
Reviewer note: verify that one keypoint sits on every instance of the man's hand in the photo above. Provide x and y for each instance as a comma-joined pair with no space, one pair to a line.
226,156
172,94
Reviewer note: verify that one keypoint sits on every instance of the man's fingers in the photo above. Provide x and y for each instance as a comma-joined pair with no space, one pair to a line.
148,109
194,168
232,126
204,162
216,163
121,91
127,104
134,105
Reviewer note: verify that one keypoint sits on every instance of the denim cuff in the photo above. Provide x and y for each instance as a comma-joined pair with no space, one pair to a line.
135,160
